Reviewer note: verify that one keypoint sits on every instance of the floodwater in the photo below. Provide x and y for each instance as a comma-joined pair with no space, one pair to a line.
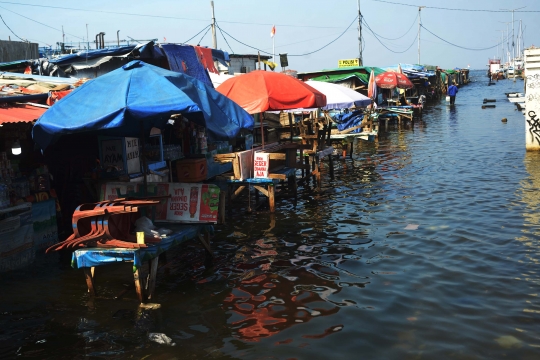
425,245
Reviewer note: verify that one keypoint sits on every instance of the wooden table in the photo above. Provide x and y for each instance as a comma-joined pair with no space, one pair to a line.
90,258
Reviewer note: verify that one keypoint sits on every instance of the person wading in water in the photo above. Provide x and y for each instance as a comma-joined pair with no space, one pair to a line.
452,92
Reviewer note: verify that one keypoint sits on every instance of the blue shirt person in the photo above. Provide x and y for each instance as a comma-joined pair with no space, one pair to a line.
452,92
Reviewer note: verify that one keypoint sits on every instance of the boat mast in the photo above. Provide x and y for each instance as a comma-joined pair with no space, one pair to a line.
419,25
360,60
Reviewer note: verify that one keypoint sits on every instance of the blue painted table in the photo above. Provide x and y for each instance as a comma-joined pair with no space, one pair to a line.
90,258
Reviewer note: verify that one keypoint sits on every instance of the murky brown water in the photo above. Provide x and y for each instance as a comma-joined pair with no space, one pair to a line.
424,246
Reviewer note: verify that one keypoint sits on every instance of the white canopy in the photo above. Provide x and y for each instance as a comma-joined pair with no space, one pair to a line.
218,79
339,97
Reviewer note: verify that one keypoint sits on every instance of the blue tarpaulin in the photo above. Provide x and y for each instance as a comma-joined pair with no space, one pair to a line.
91,54
349,120
116,104
184,59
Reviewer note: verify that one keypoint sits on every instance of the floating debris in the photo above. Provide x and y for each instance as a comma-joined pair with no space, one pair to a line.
161,338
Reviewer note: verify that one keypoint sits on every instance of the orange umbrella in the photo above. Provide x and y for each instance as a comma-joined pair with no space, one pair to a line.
260,91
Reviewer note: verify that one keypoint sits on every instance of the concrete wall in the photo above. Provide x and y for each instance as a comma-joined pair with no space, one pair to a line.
238,63
17,50
532,99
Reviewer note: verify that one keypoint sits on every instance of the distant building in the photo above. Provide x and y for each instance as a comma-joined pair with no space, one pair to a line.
17,50
241,64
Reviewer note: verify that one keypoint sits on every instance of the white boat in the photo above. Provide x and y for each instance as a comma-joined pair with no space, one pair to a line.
513,95
517,99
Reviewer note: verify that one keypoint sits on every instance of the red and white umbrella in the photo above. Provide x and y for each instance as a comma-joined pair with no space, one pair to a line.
372,87
391,80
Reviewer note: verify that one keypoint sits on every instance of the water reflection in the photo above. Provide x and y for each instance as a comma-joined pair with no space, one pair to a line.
278,283
530,194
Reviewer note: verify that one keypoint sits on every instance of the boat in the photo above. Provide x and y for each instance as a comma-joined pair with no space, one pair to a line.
493,66
517,99
514,94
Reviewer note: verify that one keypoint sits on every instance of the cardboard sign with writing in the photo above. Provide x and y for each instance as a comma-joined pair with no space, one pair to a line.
112,152
132,155
189,202
260,165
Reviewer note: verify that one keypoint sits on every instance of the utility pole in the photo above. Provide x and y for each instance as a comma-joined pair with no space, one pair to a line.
214,39
87,40
360,60
419,25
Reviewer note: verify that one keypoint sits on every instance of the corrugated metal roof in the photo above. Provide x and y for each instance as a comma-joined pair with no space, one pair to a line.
20,113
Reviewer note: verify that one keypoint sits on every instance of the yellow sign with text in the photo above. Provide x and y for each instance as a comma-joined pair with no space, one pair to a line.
348,63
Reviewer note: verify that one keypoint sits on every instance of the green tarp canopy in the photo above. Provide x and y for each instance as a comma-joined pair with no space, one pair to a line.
341,77
347,73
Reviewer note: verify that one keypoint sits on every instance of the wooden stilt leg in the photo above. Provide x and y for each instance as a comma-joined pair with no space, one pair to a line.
271,198
152,278
352,147
137,276
318,174
229,198
221,211
208,254
331,166
89,275
307,167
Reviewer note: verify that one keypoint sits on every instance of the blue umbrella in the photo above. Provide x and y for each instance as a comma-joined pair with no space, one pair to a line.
119,102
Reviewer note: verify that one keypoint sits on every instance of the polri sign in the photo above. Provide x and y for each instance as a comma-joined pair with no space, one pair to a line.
348,63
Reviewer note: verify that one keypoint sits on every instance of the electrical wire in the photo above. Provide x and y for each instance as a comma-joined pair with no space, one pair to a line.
207,30
331,42
194,36
238,41
413,23
458,46
163,16
26,17
379,40
224,38
12,30
453,9
317,38
296,55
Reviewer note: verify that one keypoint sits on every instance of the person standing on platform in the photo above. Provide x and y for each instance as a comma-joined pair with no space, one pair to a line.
452,92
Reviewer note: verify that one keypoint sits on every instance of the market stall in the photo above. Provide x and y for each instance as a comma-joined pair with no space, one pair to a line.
258,92
151,130
28,207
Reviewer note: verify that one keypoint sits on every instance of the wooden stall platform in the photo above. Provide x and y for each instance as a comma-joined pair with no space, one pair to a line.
281,178
90,258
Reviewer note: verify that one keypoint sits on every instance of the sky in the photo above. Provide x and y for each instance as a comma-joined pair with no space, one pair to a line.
302,27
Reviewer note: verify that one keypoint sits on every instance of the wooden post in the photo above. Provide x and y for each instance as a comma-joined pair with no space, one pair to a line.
229,197
153,275
291,116
271,197
139,285
144,164
89,275
331,166
221,211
